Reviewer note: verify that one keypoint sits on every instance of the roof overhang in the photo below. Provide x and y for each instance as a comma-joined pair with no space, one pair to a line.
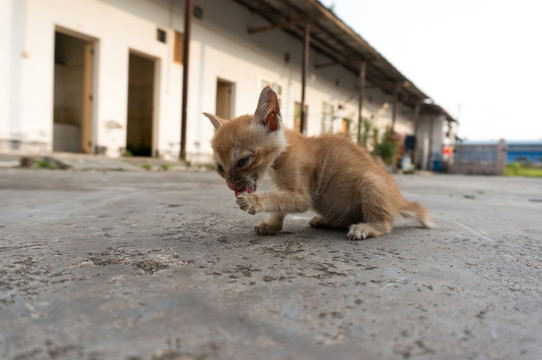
331,37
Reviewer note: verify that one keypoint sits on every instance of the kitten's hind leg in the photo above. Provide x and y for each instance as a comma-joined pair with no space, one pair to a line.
318,221
362,231
272,226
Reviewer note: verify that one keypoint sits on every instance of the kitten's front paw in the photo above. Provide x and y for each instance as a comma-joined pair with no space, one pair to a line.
359,232
249,203
264,228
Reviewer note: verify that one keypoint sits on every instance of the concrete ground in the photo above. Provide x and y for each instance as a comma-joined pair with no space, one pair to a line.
163,265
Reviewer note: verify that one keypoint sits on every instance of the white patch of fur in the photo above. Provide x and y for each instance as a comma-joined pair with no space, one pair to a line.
275,137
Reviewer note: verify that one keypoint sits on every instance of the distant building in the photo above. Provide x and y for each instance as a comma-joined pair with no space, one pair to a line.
524,152
491,157
105,76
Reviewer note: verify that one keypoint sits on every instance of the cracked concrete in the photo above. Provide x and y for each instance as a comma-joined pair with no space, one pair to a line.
139,265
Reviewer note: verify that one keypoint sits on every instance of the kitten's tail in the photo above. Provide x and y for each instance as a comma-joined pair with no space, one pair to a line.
413,210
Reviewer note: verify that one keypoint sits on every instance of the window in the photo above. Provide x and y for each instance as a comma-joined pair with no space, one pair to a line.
327,117
161,35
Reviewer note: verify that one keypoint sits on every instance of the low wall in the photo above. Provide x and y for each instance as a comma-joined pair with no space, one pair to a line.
479,158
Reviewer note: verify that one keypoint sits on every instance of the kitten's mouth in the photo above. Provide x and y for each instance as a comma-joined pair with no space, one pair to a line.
241,188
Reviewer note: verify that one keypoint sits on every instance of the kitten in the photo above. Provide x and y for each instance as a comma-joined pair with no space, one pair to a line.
332,175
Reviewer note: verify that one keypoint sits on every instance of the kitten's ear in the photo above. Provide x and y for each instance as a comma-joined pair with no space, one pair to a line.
215,120
268,111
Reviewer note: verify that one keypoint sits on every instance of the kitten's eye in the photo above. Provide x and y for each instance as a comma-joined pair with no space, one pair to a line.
219,169
243,161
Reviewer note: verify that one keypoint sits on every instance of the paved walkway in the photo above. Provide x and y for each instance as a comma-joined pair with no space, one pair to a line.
163,265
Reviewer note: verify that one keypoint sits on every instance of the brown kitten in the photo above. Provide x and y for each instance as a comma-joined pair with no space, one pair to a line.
332,175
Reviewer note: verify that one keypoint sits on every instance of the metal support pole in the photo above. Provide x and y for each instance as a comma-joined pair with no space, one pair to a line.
394,110
304,72
186,56
361,95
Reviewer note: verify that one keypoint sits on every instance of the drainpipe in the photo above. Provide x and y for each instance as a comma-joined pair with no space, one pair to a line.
186,52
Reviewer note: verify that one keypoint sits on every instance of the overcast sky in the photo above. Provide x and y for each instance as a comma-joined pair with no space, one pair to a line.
479,59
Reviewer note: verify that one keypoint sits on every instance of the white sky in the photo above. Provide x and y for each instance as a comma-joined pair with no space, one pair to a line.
479,59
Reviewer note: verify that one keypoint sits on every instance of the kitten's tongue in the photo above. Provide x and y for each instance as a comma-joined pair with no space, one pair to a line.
242,191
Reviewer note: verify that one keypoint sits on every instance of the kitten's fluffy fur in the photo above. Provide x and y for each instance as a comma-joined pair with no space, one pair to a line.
332,175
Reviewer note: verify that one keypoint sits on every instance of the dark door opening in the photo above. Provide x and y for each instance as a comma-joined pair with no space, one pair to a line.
140,105
72,94
224,99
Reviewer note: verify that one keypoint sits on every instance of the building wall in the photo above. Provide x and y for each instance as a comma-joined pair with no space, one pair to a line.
115,32
11,25
221,48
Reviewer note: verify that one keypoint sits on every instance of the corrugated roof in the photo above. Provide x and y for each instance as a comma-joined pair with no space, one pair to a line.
330,36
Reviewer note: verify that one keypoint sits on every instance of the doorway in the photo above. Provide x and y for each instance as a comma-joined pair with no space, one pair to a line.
224,99
73,74
141,78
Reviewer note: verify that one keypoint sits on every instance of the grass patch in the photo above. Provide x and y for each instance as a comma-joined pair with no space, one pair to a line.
516,169
127,153
45,164
146,166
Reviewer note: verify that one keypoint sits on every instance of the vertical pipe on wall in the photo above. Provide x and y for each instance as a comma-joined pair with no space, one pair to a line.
186,51
304,72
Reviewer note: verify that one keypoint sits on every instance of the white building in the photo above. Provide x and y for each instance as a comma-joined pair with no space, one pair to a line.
103,76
